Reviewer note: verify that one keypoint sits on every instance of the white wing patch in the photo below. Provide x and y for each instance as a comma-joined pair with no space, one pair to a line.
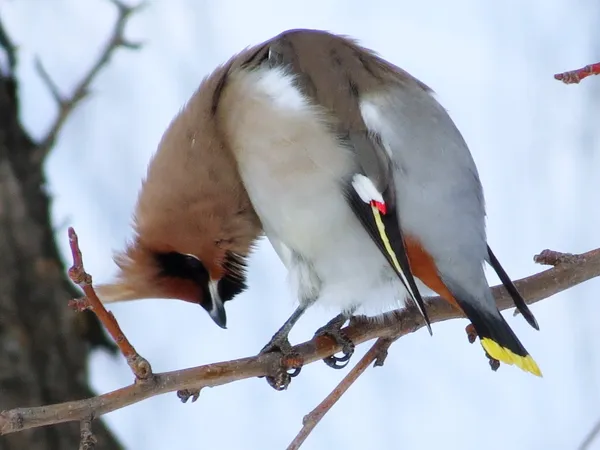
365,189
372,118
279,86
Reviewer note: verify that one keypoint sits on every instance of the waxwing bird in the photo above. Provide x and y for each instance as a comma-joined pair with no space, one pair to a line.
356,174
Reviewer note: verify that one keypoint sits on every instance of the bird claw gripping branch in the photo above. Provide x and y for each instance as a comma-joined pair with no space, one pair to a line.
333,331
280,376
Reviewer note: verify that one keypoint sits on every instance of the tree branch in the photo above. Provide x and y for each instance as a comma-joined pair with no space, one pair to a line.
139,366
591,436
376,353
66,105
569,271
10,50
575,76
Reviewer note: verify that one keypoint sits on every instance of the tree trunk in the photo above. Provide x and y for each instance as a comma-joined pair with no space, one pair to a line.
43,352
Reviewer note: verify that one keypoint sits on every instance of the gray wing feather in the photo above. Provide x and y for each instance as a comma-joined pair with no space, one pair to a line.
439,194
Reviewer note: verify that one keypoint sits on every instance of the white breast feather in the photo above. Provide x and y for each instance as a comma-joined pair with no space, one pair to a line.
293,168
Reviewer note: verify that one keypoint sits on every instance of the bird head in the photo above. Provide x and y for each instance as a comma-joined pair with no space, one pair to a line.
194,225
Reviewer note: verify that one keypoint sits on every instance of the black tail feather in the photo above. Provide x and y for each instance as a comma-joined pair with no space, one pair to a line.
494,327
496,337
512,290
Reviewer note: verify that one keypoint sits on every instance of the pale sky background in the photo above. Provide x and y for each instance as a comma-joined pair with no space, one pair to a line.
535,140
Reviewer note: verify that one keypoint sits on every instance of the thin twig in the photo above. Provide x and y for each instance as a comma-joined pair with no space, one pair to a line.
10,50
591,437
575,76
563,276
139,366
88,441
546,258
66,105
311,420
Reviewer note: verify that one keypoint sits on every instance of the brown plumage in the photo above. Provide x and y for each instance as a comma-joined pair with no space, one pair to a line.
192,202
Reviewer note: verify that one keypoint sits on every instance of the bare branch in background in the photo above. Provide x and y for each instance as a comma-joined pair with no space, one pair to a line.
569,271
591,437
377,353
575,76
67,104
10,50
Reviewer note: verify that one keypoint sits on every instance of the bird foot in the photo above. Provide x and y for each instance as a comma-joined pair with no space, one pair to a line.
280,375
333,330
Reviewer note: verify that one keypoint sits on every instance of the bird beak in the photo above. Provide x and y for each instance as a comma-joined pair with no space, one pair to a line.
217,310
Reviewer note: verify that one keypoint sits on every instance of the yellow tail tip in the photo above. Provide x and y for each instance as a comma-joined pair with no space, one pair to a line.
506,356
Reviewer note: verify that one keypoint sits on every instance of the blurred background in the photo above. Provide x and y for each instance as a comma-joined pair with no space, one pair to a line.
537,145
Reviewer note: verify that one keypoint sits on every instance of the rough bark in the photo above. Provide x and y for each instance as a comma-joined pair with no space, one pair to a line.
43,344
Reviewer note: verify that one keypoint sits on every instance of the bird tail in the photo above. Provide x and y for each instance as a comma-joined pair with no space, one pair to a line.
498,339
512,290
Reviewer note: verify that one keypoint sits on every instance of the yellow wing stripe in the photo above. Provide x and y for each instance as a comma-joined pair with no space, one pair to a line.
386,241
503,354
396,264
390,251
